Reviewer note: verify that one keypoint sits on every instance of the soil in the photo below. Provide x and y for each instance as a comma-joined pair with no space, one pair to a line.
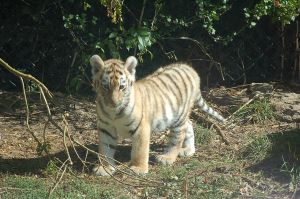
18,145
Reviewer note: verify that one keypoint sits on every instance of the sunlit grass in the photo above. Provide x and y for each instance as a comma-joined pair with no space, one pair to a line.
259,111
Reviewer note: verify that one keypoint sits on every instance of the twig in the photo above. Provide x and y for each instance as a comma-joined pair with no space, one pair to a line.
49,111
44,131
221,133
71,66
25,76
14,188
243,67
242,86
68,134
156,11
140,21
295,192
142,12
58,180
102,158
185,188
216,127
282,50
198,44
133,15
65,145
27,116
248,102
203,51
84,161
297,54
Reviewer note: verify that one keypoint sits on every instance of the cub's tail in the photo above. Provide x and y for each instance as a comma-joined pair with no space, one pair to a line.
207,109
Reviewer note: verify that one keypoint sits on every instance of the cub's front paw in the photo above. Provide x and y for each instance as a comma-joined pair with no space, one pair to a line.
165,159
103,171
139,170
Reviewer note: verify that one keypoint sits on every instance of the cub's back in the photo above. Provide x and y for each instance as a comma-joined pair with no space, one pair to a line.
168,94
176,78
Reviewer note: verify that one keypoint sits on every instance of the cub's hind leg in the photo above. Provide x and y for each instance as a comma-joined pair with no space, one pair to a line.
188,146
174,146
107,148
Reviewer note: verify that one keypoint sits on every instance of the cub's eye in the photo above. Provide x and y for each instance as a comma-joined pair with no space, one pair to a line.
105,82
122,86
122,83
105,86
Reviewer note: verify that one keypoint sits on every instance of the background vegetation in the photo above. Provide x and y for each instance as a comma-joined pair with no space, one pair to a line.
228,42
236,41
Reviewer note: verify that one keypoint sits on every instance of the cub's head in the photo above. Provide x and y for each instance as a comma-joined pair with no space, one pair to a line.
113,79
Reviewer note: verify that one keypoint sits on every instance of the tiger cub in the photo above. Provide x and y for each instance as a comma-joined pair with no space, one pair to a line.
133,109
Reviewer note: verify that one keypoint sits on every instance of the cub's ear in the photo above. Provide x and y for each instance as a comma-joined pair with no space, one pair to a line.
130,64
96,63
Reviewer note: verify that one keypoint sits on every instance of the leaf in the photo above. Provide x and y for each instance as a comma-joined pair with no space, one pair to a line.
86,6
252,23
141,42
112,35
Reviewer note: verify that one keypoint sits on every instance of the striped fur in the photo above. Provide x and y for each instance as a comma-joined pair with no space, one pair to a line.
133,109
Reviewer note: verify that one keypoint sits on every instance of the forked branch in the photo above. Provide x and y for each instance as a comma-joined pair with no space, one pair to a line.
25,76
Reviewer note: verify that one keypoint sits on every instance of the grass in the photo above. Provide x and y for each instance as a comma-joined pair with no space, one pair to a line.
22,187
202,135
289,145
258,148
215,171
259,111
211,173
293,171
25,187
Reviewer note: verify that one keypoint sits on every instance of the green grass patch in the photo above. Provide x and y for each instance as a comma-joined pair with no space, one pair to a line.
21,187
259,111
293,171
202,135
257,149
29,187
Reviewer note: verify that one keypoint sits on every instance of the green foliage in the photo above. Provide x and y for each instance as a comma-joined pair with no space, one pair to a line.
151,29
284,11
210,12
118,40
114,9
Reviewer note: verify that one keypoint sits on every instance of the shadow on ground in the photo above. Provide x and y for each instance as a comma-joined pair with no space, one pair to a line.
284,155
38,165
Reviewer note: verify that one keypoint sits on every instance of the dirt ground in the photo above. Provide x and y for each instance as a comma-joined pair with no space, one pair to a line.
17,145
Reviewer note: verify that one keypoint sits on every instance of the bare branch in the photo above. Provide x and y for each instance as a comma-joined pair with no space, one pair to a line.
25,76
